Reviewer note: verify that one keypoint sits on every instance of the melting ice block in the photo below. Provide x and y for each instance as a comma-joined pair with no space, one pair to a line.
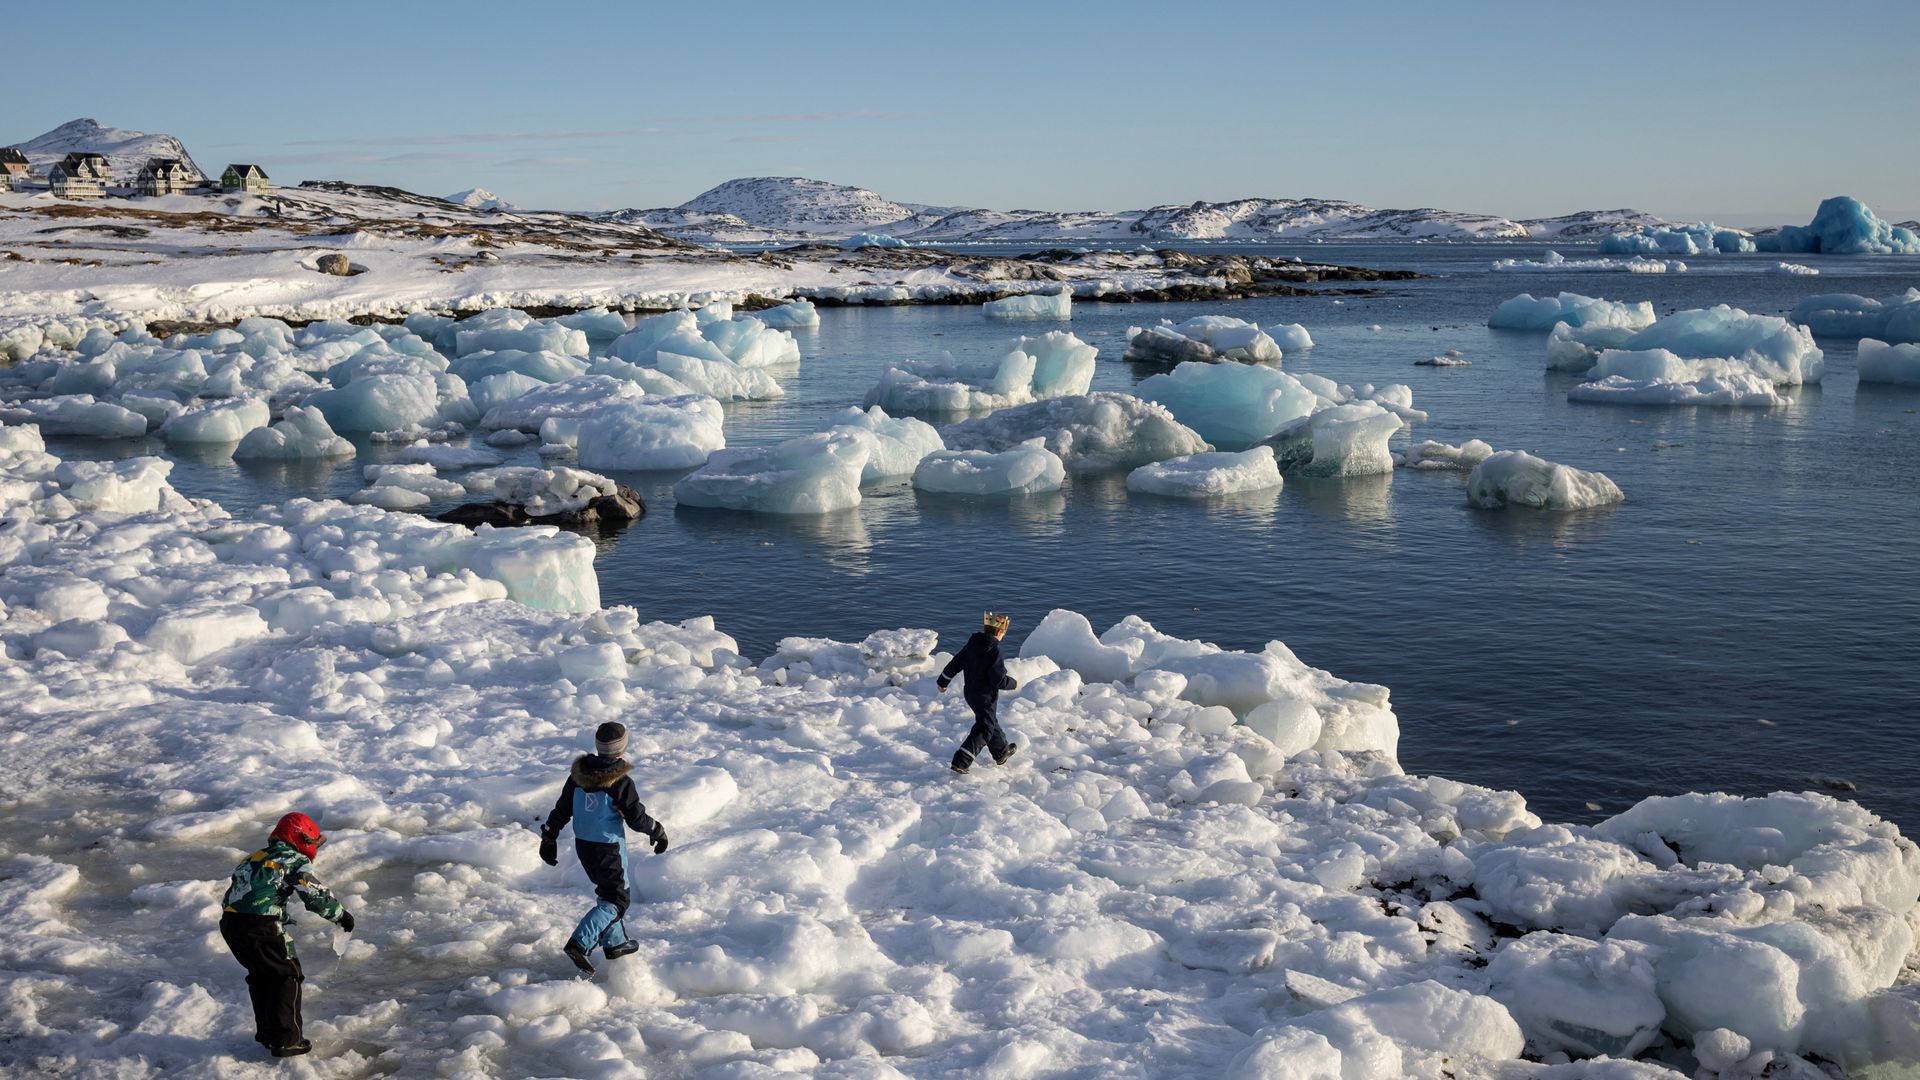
1763,345
225,421
540,365
895,445
812,474
1212,337
1699,238
1340,440
1090,432
380,403
798,315
1025,469
77,414
302,435
1517,478
650,433
1555,263
1884,363
1199,476
1052,365
1054,305
1230,405
1428,455
1894,319
1526,312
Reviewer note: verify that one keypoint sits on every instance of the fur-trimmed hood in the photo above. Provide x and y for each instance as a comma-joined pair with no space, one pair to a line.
596,773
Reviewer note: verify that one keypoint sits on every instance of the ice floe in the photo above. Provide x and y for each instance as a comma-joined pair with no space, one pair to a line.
1230,405
1213,337
1527,312
1895,319
1700,238
1555,263
1199,476
302,435
1090,432
1884,363
1034,305
1339,440
1517,478
1052,365
1027,469
1428,455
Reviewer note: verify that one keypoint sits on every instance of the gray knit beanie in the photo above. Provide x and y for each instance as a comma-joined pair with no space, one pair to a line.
610,740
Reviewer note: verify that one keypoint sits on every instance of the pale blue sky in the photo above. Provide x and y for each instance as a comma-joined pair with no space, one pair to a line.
1749,112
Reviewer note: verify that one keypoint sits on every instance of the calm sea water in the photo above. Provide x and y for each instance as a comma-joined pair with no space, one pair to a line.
1748,621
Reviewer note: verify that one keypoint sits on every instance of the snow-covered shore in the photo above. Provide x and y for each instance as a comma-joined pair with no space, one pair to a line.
1202,862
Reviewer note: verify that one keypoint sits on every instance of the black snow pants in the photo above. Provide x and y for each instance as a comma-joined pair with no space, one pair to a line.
986,733
606,867
259,942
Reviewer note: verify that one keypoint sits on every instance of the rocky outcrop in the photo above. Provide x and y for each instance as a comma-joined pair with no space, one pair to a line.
333,263
617,510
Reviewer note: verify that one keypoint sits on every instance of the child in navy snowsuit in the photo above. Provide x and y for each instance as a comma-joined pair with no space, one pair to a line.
600,800
986,676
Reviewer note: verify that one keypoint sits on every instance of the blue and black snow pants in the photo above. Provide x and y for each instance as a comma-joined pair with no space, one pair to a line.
986,733
606,866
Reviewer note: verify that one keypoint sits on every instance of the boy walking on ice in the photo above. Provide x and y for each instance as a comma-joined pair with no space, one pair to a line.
253,922
986,676
600,801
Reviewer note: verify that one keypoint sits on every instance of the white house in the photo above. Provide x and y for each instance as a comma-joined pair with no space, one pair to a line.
165,176
70,181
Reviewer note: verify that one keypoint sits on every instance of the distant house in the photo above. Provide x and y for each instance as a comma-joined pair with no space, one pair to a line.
89,165
164,176
243,178
13,168
70,181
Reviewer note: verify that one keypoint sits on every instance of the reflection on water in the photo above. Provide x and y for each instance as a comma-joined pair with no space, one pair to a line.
1761,569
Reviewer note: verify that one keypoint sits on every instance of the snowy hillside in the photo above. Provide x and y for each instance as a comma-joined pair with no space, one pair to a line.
781,208
125,150
797,205
479,198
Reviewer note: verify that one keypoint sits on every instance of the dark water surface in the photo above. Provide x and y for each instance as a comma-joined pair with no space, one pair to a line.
1748,621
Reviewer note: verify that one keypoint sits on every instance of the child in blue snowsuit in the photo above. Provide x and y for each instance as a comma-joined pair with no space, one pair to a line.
600,800
979,660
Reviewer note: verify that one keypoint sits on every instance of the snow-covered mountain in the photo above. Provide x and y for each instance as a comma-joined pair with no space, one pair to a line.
125,150
797,205
479,198
785,208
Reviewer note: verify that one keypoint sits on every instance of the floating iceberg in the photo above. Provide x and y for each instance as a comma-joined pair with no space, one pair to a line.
1340,440
1702,238
405,487
642,434
1199,476
540,365
722,337
1884,363
811,474
1428,455
1843,226
798,315
1739,389
1210,337
1054,305
76,414
1052,365
1091,432
1895,319
382,403
722,380
1230,405
895,445
1766,345
225,421
1555,263
1576,350
532,337
1517,478
1027,469
867,240
302,435
1526,312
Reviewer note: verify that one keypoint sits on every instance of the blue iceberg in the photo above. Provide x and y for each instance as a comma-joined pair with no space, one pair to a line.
1843,226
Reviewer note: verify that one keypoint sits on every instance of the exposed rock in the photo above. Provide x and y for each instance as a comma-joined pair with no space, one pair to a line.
333,263
619,509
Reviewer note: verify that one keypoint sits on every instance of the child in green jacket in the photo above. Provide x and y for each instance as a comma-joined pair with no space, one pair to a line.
253,920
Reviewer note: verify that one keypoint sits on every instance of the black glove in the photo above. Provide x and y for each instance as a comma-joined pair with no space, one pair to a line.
549,851
659,841
346,920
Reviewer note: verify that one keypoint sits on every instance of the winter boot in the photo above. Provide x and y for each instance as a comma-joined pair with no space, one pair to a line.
625,948
962,761
1002,759
304,1046
579,957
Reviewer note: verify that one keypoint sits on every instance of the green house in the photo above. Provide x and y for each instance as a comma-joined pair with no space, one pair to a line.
243,178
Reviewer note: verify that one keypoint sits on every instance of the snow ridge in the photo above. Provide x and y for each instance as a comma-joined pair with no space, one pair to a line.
125,151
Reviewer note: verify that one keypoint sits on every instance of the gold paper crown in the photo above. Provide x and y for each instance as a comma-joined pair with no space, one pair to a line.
995,620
